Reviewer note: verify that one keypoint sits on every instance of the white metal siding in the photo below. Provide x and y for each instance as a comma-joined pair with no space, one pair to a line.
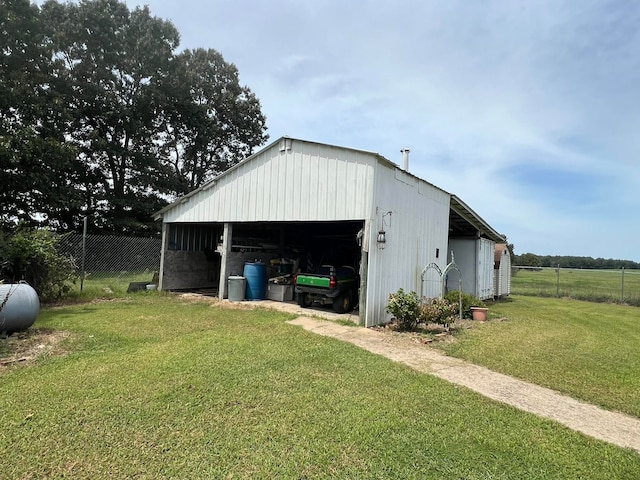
485,271
308,182
417,226
464,254
506,272
503,275
475,259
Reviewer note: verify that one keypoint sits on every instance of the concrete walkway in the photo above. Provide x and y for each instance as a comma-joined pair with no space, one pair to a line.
616,428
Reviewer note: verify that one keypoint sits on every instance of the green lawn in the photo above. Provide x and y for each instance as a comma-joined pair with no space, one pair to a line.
588,350
156,387
105,285
593,285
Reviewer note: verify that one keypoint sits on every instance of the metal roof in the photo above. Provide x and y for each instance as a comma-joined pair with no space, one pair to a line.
465,222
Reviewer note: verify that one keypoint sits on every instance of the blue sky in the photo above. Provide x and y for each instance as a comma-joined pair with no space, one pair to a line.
527,110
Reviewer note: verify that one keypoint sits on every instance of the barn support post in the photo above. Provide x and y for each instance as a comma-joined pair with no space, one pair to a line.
224,254
164,244
362,298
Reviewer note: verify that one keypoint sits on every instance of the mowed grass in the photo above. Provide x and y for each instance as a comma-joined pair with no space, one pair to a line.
591,285
156,387
105,285
587,350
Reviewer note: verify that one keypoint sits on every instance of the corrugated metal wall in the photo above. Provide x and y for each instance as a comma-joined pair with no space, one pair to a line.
503,275
464,254
196,237
486,262
416,231
282,183
475,259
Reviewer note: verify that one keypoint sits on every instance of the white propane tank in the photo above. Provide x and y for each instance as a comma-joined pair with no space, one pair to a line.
19,307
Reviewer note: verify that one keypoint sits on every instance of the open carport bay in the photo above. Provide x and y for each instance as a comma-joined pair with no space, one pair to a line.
194,253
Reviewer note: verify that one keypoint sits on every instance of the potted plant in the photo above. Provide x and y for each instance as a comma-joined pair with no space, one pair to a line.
479,313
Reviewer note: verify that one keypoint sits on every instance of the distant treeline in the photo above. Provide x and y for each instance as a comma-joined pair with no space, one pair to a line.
533,260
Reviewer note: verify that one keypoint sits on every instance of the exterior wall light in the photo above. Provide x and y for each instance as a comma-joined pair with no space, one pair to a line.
382,235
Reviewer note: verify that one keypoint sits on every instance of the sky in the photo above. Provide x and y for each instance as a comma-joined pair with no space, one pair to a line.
529,111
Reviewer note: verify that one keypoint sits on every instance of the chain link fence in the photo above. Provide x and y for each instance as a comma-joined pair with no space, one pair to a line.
620,286
110,261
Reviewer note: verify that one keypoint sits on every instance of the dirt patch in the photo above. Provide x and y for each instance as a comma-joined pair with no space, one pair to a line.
426,334
25,348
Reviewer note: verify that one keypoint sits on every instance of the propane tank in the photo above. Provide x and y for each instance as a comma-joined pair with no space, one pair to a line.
19,307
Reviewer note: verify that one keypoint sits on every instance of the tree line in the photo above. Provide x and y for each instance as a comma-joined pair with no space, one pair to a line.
533,260
101,116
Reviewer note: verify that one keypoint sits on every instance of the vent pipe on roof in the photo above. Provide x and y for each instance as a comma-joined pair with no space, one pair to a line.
405,159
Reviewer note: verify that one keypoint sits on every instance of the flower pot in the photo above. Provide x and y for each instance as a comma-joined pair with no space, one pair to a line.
479,313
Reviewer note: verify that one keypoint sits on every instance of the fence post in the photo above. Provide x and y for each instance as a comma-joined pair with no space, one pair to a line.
84,251
622,290
558,281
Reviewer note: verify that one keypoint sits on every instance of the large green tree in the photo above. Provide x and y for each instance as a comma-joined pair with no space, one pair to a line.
101,116
211,121
113,62
38,171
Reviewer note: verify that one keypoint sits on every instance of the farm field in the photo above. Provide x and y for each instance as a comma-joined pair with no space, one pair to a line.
154,386
592,285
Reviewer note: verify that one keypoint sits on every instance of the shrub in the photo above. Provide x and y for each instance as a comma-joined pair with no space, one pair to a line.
31,255
406,309
468,301
440,311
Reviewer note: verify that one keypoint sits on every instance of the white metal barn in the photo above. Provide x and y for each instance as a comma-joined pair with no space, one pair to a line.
309,203
502,267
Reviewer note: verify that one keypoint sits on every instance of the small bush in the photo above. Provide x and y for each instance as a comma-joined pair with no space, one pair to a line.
406,309
468,301
439,311
31,255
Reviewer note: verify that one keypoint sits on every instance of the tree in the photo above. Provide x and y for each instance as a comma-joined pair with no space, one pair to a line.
528,260
37,167
211,121
101,117
511,249
113,62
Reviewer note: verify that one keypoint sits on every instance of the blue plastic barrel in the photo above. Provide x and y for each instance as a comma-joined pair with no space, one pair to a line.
256,275
19,307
